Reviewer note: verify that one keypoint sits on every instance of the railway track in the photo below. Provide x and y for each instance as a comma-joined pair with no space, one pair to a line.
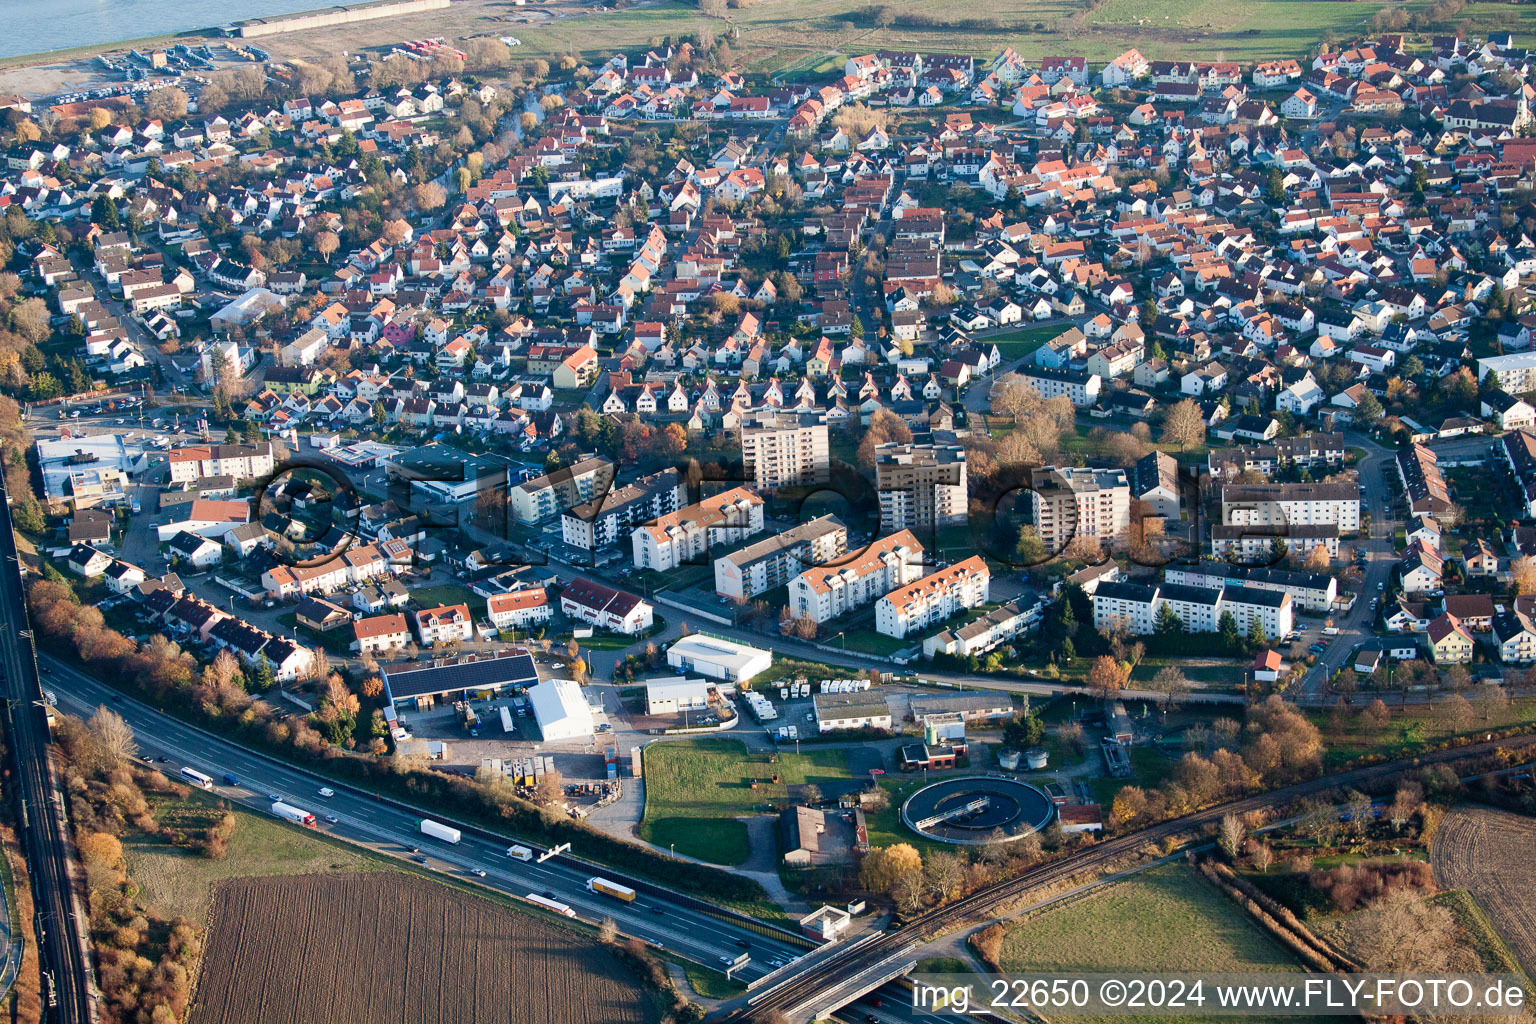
801,988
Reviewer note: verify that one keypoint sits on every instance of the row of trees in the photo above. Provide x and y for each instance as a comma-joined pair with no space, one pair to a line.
144,963
1279,745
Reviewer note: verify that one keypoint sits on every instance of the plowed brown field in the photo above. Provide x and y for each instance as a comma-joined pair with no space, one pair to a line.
1489,853
386,948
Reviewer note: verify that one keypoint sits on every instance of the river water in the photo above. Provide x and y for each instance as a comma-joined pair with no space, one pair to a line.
34,26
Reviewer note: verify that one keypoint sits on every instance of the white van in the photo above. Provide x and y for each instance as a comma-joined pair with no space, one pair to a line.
327,792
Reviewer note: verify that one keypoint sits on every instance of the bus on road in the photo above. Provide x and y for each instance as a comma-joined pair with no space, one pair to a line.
197,778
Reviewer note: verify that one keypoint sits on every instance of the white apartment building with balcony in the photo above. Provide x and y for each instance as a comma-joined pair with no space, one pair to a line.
784,448
934,598
1070,501
823,592
687,534
1136,607
774,561
922,486
1336,504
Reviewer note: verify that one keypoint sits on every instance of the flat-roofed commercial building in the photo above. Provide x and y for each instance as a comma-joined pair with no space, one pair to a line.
718,658
863,710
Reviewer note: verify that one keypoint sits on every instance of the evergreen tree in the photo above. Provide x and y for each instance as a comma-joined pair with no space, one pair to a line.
1168,621
1228,629
1256,633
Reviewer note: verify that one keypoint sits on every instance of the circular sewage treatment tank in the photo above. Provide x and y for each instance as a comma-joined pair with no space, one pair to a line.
973,810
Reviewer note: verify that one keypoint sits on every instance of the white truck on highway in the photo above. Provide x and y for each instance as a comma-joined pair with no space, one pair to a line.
297,815
520,853
437,830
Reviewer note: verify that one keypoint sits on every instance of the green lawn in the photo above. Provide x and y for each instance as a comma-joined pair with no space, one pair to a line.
177,881
709,983
449,593
1020,343
718,840
1412,730
692,781
1148,768
1161,921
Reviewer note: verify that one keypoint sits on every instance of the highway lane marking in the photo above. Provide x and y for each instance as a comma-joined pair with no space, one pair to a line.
165,743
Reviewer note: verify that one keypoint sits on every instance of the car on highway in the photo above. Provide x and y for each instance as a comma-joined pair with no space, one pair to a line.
419,859
478,872
230,780
274,797
726,960
331,819
743,943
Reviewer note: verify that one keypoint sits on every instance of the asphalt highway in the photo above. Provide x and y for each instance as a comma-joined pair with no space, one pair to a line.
659,917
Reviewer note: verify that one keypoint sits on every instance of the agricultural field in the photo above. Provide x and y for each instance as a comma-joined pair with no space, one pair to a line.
1164,920
178,882
1488,853
286,950
712,779
807,39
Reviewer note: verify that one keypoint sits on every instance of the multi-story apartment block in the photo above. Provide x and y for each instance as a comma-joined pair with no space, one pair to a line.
824,591
1316,450
611,516
1082,389
759,568
1515,634
445,624
982,635
241,461
1516,372
933,598
1255,545
534,501
1136,607
1297,504
688,533
1310,591
518,609
922,486
781,449
1069,502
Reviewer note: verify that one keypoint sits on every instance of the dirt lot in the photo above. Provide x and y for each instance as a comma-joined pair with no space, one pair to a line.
390,948
1488,853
